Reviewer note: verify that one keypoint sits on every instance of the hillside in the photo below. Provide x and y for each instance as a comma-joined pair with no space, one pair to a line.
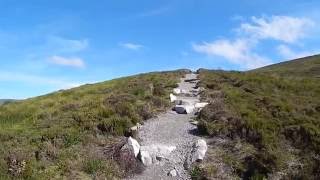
66,134
308,67
268,118
259,124
3,101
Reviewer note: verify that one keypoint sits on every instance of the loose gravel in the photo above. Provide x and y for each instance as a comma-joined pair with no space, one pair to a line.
170,129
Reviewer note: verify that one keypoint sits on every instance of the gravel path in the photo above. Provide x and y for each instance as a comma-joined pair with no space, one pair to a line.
170,129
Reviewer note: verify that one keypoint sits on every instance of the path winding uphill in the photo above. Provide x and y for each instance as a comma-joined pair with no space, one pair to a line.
169,139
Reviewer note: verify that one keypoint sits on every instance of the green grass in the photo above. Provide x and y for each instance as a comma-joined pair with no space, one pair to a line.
62,135
273,108
5,101
306,67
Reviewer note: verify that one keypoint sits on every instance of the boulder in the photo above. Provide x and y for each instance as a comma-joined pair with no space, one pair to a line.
134,145
199,150
184,109
158,150
180,109
134,128
127,160
145,158
201,105
173,98
133,131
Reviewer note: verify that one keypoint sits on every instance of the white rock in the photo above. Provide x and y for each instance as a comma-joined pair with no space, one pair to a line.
145,158
200,149
176,91
173,173
134,128
135,146
183,91
158,150
201,105
173,98
189,109
182,109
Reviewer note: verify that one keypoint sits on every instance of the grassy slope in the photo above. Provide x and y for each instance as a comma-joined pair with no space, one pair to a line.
275,109
63,134
3,101
306,67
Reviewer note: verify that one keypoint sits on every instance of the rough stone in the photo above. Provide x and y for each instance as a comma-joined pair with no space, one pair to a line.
173,173
200,149
158,150
201,105
145,158
135,145
136,127
173,97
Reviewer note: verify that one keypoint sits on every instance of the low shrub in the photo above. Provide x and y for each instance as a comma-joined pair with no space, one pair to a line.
270,111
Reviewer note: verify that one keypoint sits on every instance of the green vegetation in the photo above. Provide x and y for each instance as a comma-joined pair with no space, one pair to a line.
276,109
5,101
65,134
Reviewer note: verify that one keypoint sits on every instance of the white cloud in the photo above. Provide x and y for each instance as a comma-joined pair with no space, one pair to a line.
288,53
64,61
283,28
241,50
62,45
33,79
237,52
131,46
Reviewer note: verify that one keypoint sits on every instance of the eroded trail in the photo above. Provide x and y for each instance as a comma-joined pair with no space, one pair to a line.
173,135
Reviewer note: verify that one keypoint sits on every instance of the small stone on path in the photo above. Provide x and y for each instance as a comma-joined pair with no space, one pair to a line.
173,173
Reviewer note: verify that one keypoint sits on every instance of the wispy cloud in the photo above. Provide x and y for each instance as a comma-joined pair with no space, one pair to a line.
241,50
37,80
65,45
237,52
287,53
283,28
67,61
132,46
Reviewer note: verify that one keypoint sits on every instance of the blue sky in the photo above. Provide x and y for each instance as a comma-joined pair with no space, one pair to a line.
49,45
